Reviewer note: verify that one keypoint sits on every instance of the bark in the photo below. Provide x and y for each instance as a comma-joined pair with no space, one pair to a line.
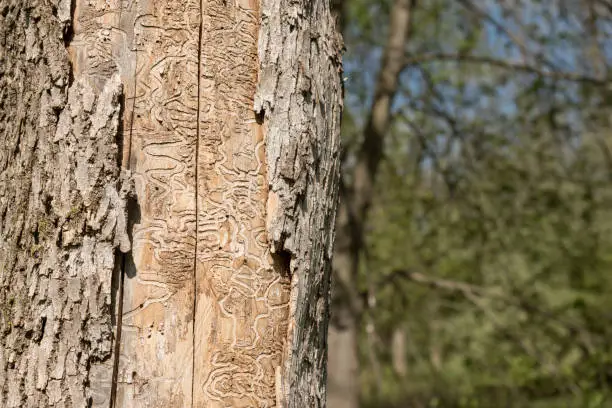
62,214
355,202
168,188
300,97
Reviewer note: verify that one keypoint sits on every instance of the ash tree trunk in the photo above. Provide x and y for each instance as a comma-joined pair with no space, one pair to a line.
168,185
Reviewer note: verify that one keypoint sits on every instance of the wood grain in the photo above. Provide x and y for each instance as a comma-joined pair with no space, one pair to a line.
242,296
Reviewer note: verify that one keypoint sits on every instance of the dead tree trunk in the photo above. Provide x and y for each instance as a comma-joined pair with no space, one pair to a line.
168,184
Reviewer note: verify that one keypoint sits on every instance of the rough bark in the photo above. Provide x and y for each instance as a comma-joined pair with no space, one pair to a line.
355,202
300,97
62,214
225,116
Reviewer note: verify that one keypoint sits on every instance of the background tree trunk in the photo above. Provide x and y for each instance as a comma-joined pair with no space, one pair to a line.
355,201
204,134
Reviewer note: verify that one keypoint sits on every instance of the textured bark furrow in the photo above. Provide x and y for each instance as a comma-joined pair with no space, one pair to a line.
242,293
62,209
299,95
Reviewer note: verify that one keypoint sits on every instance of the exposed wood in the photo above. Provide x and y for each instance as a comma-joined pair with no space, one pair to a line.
156,351
242,292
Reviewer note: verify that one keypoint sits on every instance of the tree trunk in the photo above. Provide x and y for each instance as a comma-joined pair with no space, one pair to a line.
168,184
343,379
354,205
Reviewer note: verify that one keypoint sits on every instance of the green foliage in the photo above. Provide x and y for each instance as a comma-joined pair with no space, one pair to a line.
496,186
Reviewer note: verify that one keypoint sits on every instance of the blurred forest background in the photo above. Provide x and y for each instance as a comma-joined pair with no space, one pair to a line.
474,241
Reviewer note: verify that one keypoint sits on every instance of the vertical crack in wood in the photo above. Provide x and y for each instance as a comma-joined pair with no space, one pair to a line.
195,254
128,158
125,163
117,345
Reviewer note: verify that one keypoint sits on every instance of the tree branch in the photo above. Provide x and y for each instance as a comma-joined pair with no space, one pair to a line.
453,286
519,42
387,86
472,291
508,65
